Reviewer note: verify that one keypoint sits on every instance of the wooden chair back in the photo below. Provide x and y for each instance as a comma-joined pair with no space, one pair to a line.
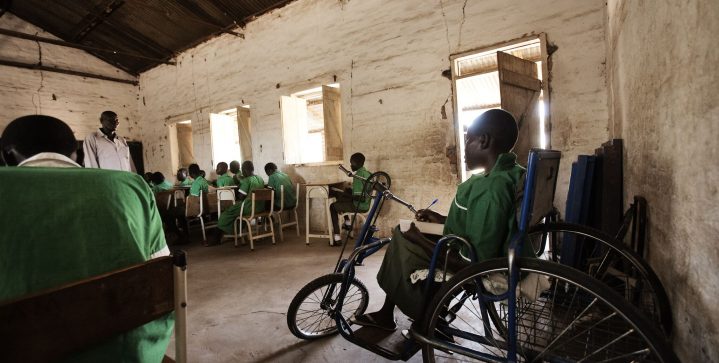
164,199
225,198
265,196
52,324
211,206
193,206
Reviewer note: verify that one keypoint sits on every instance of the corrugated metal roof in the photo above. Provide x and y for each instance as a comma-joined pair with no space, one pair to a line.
156,29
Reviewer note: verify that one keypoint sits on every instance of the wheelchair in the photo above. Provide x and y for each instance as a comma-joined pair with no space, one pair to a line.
508,309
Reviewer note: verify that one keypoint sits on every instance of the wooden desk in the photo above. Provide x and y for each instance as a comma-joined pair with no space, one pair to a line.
319,191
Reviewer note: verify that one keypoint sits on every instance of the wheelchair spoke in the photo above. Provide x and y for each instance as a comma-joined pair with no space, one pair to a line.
630,331
569,326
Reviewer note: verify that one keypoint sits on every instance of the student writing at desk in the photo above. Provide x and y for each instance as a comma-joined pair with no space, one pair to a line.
350,200
483,212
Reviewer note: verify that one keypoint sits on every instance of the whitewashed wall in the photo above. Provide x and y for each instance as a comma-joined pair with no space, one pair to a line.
663,76
76,100
388,57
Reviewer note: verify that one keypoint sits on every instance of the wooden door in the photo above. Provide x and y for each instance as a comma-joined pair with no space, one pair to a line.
244,127
519,88
332,113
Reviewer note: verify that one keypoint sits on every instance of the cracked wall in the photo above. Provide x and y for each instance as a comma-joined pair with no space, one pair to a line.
662,59
388,58
76,100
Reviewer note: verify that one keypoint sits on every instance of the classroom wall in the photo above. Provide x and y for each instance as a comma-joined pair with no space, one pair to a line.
76,100
664,103
388,57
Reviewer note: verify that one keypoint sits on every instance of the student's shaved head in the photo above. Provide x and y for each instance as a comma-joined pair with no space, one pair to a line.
499,125
27,136
234,166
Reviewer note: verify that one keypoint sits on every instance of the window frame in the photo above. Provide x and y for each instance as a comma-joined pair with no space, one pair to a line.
500,46
306,93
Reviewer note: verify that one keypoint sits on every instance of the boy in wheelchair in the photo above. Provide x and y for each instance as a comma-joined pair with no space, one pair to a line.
483,212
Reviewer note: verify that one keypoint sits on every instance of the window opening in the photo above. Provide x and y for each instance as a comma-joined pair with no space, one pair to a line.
479,87
225,136
312,125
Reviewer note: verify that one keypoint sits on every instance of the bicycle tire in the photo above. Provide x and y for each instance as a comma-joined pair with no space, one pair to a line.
325,315
584,342
659,308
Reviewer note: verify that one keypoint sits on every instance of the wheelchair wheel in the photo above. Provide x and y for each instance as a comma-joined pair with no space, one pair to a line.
613,263
311,314
562,316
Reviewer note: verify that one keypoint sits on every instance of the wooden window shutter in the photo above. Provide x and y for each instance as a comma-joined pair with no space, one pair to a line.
294,124
331,105
244,127
519,88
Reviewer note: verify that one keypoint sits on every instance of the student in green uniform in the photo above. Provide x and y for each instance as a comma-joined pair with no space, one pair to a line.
248,183
235,172
183,179
199,184
223,179
176,215
75,238
483,212
277,179
159,184
350,200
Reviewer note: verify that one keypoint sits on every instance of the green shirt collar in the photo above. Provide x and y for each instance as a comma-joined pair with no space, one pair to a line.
504,162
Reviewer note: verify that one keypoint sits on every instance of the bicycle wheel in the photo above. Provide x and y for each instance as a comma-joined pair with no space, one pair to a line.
311,314
562,316
613,263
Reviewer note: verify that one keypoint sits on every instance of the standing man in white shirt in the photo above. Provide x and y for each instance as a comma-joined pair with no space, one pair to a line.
104,149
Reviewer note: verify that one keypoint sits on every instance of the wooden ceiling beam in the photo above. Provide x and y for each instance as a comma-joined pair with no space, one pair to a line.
12,33
95,18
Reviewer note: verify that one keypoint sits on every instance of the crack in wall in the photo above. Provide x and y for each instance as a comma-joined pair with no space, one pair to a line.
446,27
461,24
38,106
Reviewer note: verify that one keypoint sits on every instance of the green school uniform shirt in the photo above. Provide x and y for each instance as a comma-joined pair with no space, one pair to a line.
358,187
247,185
483,210
225,180
199,184
279,179
85,223
186,183
165,185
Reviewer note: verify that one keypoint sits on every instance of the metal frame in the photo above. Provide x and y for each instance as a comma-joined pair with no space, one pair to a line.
278,213
252,216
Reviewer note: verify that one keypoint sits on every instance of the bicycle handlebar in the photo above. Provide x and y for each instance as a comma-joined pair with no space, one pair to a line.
381,188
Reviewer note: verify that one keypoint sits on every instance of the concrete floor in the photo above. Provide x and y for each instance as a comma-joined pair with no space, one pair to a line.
238,300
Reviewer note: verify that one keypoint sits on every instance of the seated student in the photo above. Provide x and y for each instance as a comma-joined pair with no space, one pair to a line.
223,180
198,180
235,172
248,183
483,212
74,238
182,178
176,215
277,179
352,199
159,184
